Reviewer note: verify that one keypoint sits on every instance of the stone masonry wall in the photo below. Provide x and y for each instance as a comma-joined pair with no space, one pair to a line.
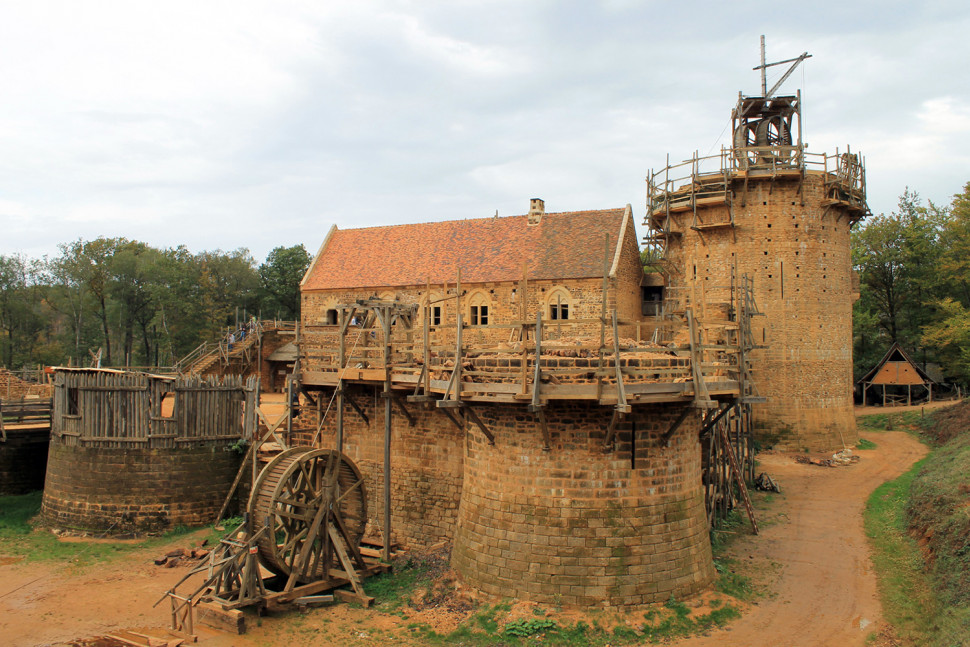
136,490
426,465
577,526
799,259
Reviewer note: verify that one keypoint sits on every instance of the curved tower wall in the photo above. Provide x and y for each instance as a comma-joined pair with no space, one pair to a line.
579,526
796,249
136,490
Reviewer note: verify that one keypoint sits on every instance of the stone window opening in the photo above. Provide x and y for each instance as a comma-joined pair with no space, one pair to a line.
332,317
435,315
559,305
478,310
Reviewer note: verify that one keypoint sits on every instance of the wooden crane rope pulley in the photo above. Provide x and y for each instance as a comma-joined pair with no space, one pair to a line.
763,141
313,505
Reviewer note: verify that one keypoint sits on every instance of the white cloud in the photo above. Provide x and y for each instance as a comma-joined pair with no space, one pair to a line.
253,123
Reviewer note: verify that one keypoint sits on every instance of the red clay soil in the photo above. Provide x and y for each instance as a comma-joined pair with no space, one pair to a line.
812,551
824,589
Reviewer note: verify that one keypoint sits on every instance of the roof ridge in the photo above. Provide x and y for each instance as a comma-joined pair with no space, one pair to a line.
434,222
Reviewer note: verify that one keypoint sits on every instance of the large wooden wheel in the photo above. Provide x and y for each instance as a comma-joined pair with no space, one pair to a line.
301,494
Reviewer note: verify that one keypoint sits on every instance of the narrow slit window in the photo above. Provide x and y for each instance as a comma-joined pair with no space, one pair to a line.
72,401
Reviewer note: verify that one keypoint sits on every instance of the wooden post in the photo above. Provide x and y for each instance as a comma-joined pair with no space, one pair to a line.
387,434
606,270
523,328
341,361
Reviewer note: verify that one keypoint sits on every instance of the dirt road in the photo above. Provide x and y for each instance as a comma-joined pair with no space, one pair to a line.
825,591
812,546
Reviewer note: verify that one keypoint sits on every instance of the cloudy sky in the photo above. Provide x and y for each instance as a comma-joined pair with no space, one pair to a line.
227,124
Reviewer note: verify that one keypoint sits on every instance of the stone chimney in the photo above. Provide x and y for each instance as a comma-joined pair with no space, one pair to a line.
537,207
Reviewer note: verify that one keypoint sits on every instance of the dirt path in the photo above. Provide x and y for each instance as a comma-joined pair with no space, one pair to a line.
812,547
41,604
825,587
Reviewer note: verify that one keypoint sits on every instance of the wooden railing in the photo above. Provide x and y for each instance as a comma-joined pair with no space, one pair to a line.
24,413
521,361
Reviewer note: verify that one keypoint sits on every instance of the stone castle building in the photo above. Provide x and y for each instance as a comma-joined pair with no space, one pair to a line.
543,411
514,472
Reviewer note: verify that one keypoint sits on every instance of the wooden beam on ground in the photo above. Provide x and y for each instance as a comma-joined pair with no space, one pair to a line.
213,615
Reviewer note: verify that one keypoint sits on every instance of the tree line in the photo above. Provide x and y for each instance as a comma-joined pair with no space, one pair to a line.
914,274
142,306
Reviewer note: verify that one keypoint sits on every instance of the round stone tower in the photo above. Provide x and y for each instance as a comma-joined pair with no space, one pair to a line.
768,215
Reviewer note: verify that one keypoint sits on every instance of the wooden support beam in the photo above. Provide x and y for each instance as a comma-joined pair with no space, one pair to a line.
353,405
541,417
387,439
451,416
676,424
536,402
713,418
702,398
739,478
407,414
298,567
481,425
309,396
611,429
621,403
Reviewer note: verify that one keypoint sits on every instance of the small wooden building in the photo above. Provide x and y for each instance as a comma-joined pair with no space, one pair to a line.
896,373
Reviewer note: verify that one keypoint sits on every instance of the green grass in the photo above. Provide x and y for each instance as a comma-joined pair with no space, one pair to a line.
865,444
927,605
901,420
19,537
394,589
907,597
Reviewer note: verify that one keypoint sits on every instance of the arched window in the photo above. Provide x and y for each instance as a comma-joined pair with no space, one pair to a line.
478,309
560,305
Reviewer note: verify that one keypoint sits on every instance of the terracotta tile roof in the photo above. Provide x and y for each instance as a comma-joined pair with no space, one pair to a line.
562,246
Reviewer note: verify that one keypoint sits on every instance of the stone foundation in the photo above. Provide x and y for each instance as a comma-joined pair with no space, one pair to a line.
579,526
574,525
110,490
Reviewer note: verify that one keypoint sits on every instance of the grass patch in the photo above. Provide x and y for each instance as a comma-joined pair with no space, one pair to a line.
865,444
937,511
20,538
907,597
394,589
911,420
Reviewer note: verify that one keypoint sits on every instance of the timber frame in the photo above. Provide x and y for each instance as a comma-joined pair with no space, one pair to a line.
376,343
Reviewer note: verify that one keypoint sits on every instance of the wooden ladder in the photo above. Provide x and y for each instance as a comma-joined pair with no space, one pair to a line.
738,477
